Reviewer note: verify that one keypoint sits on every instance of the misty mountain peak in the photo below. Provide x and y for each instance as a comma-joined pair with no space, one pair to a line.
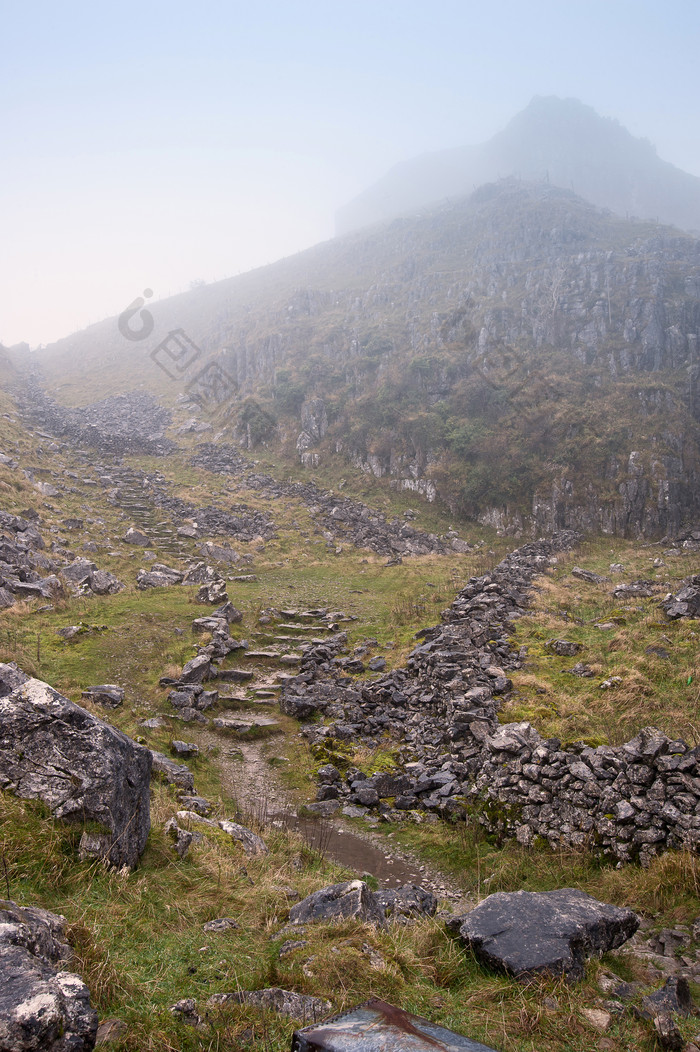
554,140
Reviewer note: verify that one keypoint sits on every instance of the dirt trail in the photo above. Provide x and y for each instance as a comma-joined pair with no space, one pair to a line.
247,775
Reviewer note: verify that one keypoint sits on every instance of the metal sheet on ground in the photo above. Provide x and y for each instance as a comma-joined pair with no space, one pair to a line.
377,1026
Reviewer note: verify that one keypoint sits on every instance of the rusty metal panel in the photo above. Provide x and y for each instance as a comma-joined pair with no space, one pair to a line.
376,1026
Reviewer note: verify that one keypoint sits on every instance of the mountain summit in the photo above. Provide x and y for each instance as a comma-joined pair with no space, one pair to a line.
553,140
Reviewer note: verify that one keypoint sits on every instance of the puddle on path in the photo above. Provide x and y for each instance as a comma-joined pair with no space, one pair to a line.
249,777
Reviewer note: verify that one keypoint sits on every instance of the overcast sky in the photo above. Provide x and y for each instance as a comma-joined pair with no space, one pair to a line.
153,144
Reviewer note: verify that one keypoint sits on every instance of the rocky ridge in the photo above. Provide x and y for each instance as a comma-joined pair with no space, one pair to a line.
342,519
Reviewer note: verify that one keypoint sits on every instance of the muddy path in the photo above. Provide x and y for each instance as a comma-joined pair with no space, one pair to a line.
247,774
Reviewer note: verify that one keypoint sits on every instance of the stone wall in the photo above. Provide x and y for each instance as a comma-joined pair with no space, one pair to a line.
626,802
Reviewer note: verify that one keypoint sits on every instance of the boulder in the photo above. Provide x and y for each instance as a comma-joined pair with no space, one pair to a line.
409,900
200,573
137,537
108,694
563,647
588,575
221,924
673,998
196,670
172,773
352,898
526,933
685,602
153,579
101,582
219,553
229,613
213,592
252,844
40,1007
78,572
82,768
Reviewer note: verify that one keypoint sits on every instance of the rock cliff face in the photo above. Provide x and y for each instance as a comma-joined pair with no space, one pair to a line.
523,327
519,354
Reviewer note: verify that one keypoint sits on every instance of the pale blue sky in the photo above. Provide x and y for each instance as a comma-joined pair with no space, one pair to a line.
152,144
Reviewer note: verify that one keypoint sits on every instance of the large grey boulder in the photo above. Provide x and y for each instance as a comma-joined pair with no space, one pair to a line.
78,572
525,933
350,899
196,670
40,1007
102,582
159,576
81,767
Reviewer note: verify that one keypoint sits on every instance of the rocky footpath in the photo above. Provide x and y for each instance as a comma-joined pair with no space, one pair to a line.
342,519
626,802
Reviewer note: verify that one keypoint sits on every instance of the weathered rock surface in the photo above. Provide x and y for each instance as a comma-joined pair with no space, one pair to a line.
407,901
527,933
252,844
83,769
108,694
40,1007
284,1002
352,898
172,773
685,602
84,578
159,576
137,537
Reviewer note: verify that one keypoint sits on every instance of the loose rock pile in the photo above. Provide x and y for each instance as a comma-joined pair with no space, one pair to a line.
24,562
131,423
344,519
84,578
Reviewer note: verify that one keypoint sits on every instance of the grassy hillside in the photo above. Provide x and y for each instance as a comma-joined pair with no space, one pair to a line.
138,936
510,352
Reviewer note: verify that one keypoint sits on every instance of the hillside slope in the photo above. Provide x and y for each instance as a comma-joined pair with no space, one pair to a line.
520,354
553,140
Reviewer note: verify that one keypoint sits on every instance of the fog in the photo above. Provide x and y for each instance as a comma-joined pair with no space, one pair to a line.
159,144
